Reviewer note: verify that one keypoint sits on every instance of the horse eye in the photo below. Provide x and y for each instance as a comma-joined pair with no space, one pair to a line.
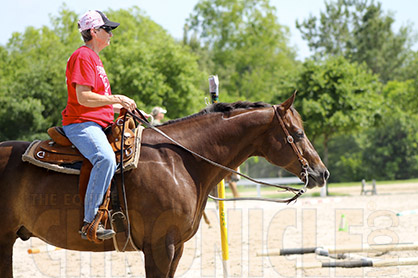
300,134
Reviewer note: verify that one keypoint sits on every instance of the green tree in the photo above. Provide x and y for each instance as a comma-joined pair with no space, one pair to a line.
404,93
336,97
33,83
248,47
345,160
391,151
409,70
361,32
383,152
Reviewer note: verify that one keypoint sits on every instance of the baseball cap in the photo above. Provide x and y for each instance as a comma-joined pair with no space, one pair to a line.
157,110
94,19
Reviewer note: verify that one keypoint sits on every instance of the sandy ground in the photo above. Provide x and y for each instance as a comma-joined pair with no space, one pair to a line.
254,227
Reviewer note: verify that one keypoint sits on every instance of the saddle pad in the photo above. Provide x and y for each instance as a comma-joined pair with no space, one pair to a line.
29,156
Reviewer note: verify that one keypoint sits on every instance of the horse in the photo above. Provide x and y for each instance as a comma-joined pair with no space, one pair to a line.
167,192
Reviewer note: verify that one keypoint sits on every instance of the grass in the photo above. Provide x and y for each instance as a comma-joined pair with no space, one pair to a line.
357,183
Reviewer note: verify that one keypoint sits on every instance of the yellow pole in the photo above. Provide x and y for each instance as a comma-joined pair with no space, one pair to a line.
222,219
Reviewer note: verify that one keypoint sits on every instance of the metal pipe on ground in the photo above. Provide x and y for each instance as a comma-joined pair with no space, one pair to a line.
344,249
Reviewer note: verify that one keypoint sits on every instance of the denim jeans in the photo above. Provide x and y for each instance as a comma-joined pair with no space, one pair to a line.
92,142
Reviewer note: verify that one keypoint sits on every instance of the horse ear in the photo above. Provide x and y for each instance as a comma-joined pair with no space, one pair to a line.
286,105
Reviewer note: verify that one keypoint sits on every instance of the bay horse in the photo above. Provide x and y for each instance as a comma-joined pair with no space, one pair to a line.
168,191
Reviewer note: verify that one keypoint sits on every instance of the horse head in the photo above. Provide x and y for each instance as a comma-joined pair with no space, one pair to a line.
289,147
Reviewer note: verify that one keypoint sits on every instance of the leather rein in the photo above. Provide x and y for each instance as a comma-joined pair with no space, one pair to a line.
289,138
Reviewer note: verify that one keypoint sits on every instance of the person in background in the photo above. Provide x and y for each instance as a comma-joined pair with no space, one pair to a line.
90,108
158,115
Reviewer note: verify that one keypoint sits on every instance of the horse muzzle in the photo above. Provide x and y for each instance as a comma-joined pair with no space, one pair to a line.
317,177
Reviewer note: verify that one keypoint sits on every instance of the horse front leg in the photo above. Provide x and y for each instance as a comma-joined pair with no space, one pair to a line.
176,260
158,258
6,255
161,260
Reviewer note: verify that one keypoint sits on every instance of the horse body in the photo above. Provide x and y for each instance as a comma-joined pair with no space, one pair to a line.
166,194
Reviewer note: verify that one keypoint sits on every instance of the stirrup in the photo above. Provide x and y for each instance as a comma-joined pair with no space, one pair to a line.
91,229
101,232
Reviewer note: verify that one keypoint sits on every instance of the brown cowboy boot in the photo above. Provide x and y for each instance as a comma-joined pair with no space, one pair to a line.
101,232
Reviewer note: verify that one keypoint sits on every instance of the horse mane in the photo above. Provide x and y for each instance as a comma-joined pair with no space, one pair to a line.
228,107
223,107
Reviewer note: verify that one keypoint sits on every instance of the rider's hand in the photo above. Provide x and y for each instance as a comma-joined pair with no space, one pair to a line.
127,103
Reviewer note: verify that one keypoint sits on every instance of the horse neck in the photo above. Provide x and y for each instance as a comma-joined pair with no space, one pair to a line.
226,139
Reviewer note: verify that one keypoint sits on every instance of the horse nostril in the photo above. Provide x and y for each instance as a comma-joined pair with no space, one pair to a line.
326,174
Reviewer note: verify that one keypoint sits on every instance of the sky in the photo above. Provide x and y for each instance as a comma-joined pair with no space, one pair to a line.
16,15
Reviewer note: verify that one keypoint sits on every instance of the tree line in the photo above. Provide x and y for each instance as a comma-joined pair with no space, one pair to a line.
356,93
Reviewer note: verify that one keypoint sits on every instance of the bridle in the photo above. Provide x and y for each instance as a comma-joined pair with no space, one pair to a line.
291,141
137,115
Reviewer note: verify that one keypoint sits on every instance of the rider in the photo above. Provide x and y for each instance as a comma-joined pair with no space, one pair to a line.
90,108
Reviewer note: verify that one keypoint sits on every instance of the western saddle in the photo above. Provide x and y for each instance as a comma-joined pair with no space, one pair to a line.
59,150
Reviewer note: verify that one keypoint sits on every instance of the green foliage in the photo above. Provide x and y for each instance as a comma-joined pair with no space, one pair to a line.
337,97
360,31
408,71
346,158
392,151
378,130
386,151
247,45
33,81
20,117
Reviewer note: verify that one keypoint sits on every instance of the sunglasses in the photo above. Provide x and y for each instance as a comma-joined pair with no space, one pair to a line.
107,29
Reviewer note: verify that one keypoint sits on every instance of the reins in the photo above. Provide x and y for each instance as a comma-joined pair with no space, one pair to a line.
122,177
298,192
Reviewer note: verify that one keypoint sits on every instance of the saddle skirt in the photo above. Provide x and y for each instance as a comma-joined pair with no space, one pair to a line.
58,153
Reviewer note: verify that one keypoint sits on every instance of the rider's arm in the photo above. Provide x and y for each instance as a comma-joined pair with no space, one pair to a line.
90,99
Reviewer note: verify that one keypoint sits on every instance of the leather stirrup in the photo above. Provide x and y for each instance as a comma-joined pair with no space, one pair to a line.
103,213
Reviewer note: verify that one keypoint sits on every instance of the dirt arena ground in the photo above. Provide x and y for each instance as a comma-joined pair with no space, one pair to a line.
259,226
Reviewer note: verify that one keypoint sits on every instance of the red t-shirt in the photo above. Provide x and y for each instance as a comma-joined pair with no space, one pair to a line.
85,68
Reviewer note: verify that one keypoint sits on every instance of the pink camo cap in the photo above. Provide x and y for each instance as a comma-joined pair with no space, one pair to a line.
94,19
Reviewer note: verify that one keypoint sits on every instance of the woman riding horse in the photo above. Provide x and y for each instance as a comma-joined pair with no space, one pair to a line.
167,193
89,110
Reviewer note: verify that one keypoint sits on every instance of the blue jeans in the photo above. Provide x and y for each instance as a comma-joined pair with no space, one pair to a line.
91,141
